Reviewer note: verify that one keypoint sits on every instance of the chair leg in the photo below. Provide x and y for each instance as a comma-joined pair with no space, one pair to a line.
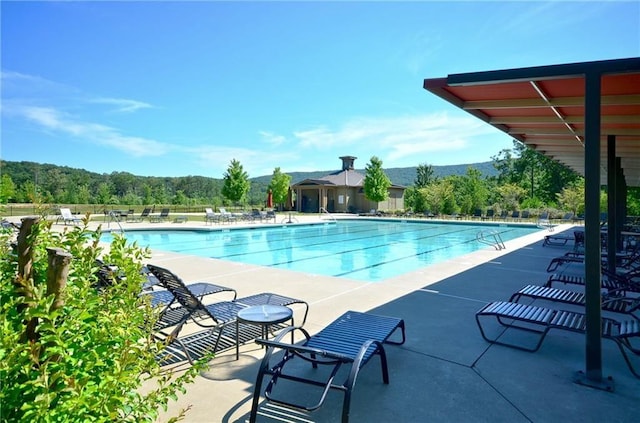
256,392
542,333
621,345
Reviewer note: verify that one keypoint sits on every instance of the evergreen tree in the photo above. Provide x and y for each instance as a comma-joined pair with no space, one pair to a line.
236,182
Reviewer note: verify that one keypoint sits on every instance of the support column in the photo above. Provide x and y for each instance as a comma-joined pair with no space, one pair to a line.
613,230
592,376
621,205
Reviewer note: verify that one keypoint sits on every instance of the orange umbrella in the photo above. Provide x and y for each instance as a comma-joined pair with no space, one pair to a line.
269,199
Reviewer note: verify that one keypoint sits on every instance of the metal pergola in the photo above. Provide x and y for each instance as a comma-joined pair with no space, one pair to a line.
585,116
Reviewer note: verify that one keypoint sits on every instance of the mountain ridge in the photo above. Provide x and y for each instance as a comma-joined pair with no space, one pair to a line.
403,176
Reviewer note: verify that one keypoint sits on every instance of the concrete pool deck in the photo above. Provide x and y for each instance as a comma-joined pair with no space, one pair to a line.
445,372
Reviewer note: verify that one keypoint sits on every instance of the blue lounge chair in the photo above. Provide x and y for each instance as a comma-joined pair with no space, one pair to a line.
350,341
540,320
219,320
612,301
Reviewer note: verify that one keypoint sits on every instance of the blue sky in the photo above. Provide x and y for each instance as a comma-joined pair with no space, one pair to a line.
181,88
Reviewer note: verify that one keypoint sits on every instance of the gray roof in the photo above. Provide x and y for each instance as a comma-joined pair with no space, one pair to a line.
342,178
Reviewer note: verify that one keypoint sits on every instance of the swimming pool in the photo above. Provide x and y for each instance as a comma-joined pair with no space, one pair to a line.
368,250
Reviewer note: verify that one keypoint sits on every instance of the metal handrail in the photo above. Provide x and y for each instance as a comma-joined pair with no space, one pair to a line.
323,210
116,217
497,242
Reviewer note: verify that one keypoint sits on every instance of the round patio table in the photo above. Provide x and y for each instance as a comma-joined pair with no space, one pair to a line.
265,316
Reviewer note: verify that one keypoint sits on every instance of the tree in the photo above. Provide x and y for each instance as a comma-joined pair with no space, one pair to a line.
471,191
180,198
376,182
7,189
279,186
236,182
83,195
510,195
572,197
413,200
147,194
440,196
539,176
424,175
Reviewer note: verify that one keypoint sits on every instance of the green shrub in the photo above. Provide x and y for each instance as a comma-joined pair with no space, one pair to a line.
91,357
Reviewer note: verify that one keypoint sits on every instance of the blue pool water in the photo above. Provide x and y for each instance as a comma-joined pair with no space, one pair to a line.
367,250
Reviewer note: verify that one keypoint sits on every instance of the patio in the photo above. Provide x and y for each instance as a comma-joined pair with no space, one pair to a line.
445,371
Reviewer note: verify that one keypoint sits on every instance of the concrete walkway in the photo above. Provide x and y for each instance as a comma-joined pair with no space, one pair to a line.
445,372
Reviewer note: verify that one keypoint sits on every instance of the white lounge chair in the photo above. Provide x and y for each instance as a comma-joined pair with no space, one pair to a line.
66,216
210,216
227,216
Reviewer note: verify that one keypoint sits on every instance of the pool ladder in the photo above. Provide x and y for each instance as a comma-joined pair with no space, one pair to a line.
324,211
492,238
116,217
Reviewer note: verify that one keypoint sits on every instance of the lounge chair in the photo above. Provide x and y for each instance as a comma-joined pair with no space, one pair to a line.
562,260
210,216
504,215
156,218
172,313
226,216
67,217
540,320
621,283
562,238
544,221
626,259
269,216
515,215
218,319
350,341
488,215
7,225
131,218
568,217
611,301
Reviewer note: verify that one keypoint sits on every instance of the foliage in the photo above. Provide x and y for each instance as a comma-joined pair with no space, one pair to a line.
376,182
279,186
90,357
118,188
439,197
572,197
413,200
236,182
532,203
7,188
633,201
510,195
471,191
424,175
538,175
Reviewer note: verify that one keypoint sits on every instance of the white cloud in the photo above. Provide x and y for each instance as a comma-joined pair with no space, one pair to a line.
273,139
51,119
397,138
123,105
255,162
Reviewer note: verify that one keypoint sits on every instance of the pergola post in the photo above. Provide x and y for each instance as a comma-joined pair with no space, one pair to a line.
613,194
592,376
